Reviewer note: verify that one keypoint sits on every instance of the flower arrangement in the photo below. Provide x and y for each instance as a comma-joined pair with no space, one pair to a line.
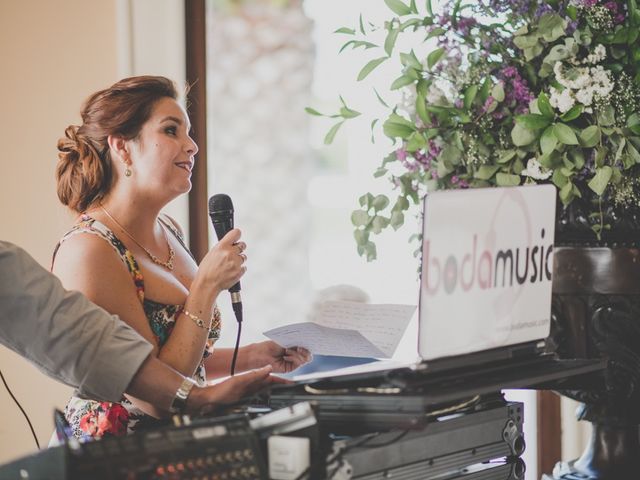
510,93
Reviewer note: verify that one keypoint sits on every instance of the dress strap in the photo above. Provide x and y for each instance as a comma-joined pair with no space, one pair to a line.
168,222
90,225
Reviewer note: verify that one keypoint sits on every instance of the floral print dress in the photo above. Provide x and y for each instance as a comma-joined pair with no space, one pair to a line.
95,419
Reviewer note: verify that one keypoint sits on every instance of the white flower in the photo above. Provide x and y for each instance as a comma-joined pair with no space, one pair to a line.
435,96
585,84
535,170
599,54
562,100
408,100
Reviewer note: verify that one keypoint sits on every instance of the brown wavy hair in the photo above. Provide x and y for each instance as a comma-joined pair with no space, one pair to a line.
84,174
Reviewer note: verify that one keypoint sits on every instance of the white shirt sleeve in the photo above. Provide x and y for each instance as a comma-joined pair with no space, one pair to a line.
63,333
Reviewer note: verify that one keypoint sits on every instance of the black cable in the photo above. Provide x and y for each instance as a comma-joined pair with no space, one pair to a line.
33,432
235,350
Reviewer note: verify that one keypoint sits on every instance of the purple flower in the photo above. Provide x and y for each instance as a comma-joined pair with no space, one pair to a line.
517,7
517,92
401,154
542,9
487,104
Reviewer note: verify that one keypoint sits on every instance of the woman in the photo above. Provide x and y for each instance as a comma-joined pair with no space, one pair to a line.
130,157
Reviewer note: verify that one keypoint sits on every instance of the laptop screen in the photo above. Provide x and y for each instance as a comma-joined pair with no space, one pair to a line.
487,258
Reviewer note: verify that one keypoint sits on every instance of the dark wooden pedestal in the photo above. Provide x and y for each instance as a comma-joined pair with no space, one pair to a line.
596,314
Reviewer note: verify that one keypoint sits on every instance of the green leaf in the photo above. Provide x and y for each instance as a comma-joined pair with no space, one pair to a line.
565,134
361,236
485,172
421,109
402,81
369,67
348,31
401,204
328,139
601,179
348,113
485,89
633,153
434,56
360,218
506,156
365,200
607,116
410,60
533,121
497,92
470,95
548,141
558,179
507,180
384,104
590,136
350,42
390,41
451,155
311,111
361,24
429,7
362,43
380,202
573,113
397,127
565,192
435,33
397,220
551,26
416,142
522,136
373,124
545,107
398,7
380,172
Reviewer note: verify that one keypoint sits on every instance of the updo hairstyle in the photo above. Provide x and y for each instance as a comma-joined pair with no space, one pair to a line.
84,172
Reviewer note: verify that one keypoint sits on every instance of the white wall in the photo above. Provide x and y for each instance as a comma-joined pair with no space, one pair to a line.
53,55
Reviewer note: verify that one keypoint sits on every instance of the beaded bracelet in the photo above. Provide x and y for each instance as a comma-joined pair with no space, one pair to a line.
197,320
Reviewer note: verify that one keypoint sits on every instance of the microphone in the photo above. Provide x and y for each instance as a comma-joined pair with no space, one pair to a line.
221,214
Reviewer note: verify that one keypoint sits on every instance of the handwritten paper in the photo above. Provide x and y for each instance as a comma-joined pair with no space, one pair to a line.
350,329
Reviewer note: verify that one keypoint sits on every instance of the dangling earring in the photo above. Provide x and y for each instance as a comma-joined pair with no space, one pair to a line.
127,164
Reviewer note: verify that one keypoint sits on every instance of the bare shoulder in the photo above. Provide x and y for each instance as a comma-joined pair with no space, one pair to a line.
87,262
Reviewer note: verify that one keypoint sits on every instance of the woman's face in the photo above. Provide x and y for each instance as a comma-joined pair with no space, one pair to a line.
162,155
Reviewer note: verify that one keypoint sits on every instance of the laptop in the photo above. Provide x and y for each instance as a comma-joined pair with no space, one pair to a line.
487,262
485,289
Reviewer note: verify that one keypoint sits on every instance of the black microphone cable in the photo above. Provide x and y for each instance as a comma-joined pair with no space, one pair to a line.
235,350
33,432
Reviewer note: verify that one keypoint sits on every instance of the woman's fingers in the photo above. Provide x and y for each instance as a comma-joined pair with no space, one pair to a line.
297,355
